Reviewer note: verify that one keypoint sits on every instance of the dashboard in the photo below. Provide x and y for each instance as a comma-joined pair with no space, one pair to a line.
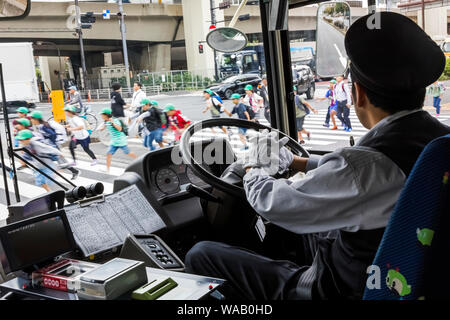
172,179
167,181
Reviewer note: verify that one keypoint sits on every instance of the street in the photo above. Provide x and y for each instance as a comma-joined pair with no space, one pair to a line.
330,48
191,104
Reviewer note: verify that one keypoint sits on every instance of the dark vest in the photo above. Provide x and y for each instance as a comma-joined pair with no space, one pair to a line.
342,262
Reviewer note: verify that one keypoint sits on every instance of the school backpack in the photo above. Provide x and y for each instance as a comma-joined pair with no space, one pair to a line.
124,127
48,133
61,133
216,106
250,112
298,103
218,98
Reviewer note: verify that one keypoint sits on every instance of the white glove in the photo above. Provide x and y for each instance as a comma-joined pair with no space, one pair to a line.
268,152
286,158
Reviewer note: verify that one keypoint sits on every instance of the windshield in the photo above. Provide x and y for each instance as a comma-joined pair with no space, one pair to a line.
228,60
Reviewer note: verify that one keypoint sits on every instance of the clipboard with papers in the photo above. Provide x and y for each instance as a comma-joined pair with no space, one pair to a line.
103,225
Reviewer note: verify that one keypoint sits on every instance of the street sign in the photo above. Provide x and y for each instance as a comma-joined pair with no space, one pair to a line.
106,14
87,20
225,5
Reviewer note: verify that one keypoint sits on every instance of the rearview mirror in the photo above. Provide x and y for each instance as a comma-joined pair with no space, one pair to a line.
13,9
226,39
333,21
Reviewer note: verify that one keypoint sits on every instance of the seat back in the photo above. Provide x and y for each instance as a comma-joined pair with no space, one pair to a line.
415,243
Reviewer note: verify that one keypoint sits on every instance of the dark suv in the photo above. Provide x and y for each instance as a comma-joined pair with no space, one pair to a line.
235,84
303,78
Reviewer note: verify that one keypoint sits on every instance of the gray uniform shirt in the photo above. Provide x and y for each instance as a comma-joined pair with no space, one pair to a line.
351,189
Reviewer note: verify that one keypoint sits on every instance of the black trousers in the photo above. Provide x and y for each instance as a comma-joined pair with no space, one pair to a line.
73,146
249,276
267,113
343,113
327,118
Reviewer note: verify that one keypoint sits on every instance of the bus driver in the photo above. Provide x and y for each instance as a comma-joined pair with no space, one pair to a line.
352,190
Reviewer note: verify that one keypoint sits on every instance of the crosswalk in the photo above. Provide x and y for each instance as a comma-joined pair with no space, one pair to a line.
320,137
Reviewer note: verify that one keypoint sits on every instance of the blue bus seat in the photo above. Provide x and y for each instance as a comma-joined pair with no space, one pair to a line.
410,263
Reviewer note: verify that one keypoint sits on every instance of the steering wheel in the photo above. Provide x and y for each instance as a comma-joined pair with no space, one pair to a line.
230,186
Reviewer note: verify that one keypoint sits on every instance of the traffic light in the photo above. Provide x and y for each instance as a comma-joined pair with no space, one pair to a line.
87,20
200,48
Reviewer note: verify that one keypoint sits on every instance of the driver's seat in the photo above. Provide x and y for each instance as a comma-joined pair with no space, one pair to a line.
413,252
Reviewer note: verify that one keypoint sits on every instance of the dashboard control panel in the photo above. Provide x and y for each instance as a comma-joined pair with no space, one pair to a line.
152,250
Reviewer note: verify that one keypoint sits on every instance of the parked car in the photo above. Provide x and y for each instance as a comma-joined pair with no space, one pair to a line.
303,78
13,105
235,84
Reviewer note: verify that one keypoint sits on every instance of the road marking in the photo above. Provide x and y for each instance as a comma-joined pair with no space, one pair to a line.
341,58
30,190
3,212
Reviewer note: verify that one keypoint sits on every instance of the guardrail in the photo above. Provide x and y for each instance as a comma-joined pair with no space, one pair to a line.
104,94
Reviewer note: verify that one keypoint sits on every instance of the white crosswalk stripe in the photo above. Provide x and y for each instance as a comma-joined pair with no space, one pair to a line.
87,177
3,213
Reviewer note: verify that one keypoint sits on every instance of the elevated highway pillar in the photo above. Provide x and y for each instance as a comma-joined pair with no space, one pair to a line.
197,19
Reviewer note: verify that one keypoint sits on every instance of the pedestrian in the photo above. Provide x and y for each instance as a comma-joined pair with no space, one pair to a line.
117,103
118,137
302,108
54,135
332,105
436,90
21,124
252,99
138,96
177,122
80,136
344,101
75,99
214,106
44,152
241,110
22,112
153,119
264,93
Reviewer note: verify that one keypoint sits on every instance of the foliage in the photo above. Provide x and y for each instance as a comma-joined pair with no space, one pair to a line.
446,74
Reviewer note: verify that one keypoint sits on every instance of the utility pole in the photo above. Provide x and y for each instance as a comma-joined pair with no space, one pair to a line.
80,37
213,22
423,15
124,42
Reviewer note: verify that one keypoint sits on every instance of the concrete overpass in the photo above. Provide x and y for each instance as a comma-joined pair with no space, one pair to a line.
152,30
159,36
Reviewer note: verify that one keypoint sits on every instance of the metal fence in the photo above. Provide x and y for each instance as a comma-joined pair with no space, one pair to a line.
104,94
166,80
153,83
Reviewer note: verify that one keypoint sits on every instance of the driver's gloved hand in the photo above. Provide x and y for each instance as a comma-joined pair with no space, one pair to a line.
286,158
268,153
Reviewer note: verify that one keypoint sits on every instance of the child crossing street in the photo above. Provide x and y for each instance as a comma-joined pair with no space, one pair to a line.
153,119
243,113
118,137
